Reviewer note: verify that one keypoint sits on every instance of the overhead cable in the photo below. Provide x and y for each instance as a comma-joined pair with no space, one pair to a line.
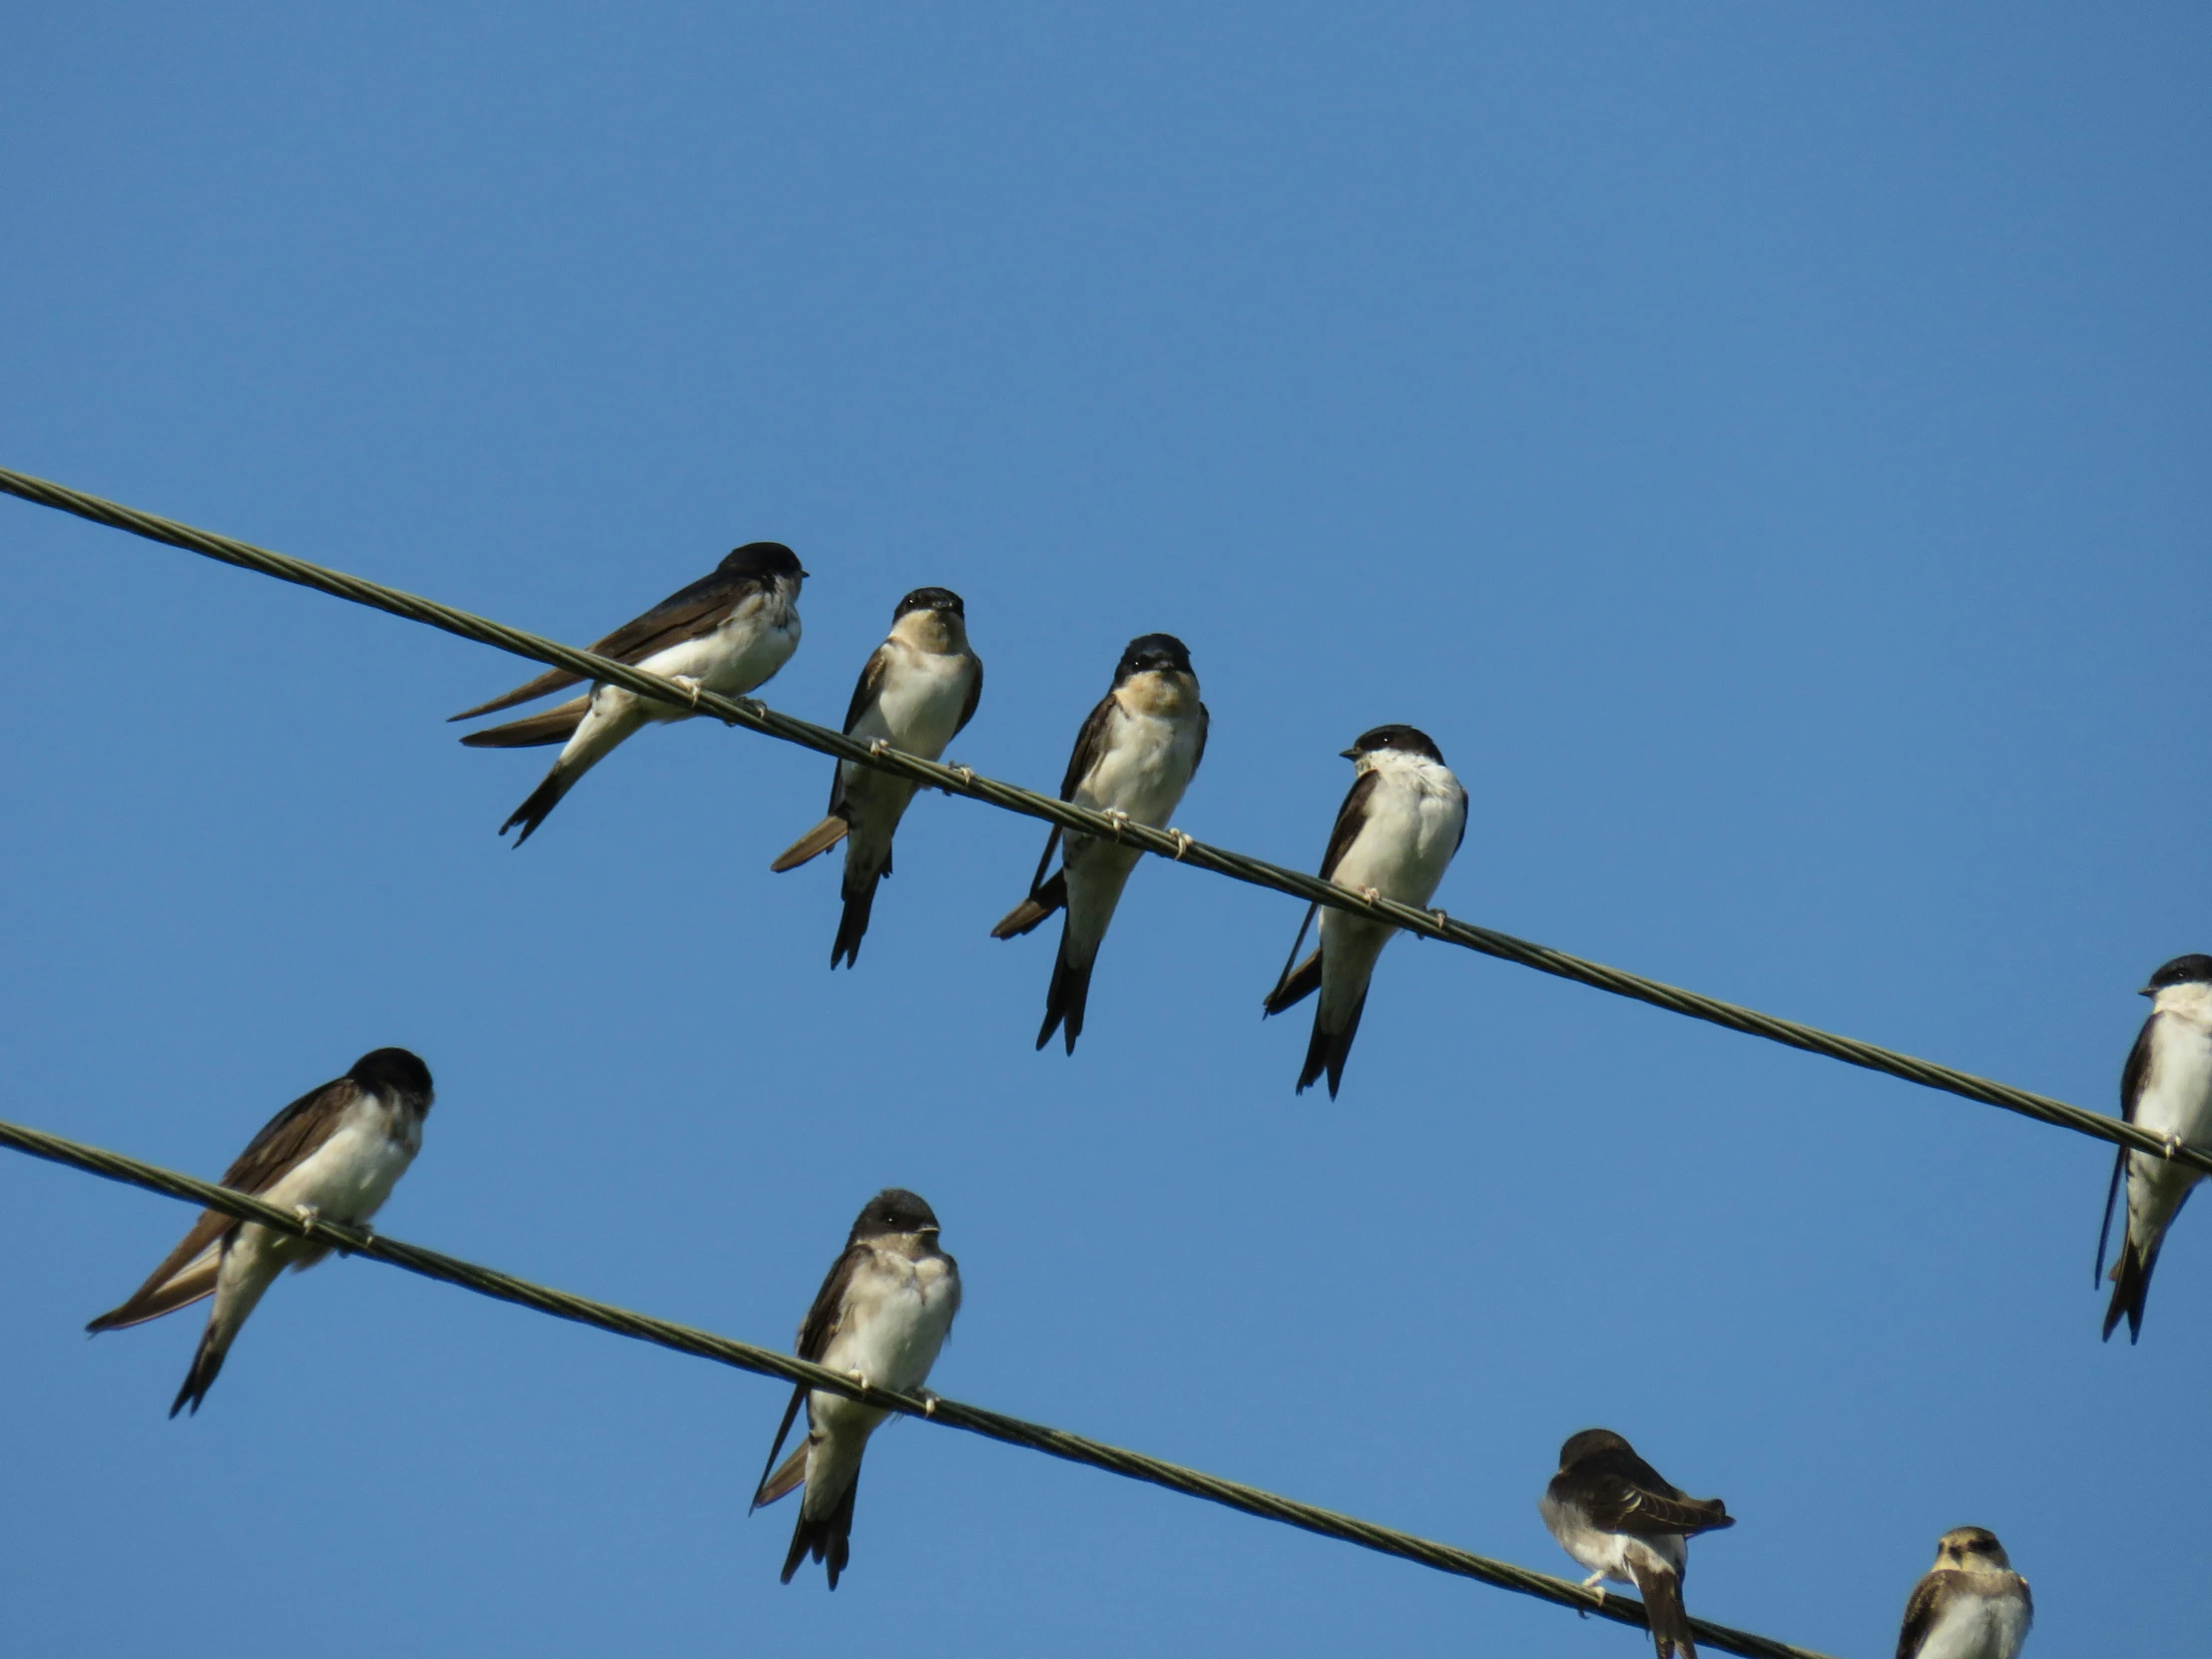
950,1414
1168,844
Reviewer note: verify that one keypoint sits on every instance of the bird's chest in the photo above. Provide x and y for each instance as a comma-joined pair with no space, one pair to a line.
2177,1096
896,1315
922,700
1146,766
1978,1627
1412,831
350,1175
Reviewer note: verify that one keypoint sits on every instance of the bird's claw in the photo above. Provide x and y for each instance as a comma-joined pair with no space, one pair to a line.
2173,1147
967,774
1119,820
928,1399
880,747
859,1380
1439,919
308,1215
1182,844
1370,894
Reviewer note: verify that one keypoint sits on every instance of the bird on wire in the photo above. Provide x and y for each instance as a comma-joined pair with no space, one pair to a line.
1134,758
1396,834
334,1154
1970,1605
2166,1088
880,1318
918,691
727,633
1617,1516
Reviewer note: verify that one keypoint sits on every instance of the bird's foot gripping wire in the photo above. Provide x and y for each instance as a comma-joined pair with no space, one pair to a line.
880,747
1595,1585
1119,819
691,684
1183,843
859,1378
308,1215
1370,894
2173,1147
967,774
1439,919
928,1399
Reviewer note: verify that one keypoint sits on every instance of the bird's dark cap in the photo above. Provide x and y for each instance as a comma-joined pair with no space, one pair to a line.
894,1211
1410,740
2182,970
930,599
392,1071
763,558
1589,1443
1154,654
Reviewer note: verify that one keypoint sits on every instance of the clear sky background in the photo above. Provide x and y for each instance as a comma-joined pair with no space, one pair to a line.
1765,445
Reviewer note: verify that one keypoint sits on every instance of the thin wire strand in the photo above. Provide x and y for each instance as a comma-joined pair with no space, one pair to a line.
702,1345
758,716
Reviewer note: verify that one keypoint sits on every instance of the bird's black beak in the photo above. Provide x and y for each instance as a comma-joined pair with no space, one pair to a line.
806,575
930,1230
1349,753
2148,990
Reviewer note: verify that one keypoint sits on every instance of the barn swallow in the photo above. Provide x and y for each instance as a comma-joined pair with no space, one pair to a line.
727,633
1133,759
2166,1088
1396,834
880,1318
918,689
331,1155
1616,1514
1970,1604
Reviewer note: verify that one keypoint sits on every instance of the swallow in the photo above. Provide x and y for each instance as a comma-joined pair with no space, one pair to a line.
1616,1514
331,1155
880,1318
918,689
1970,1605
2166,1088
727,633
1396,834
1133,759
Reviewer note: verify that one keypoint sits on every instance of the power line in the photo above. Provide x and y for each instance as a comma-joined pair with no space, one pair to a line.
1172,844
702,1345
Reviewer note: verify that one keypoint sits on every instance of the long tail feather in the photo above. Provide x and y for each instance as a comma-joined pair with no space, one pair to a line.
2104,1227
1328,1050
554,725
812,845
180,1287
1042,903
1670,1623
828,1540
541,803
2131,1285
853,923
207,1364
772,1485
1294,987
546,682
1066,997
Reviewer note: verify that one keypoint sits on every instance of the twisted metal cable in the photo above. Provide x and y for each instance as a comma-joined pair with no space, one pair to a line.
1172,844
704,1345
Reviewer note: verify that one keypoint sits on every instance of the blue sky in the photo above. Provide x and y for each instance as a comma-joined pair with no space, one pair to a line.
1765,446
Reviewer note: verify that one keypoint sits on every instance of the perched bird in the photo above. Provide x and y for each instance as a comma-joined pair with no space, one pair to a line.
2166,1088
1396,834
918,689
1970,1605
1616,1514
1133,759
331,1155
880,1318
726,633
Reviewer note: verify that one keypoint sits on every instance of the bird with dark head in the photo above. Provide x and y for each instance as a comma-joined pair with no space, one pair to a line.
727,633
1396,834
2166,1089
916,691
1133,759
1620,1517
334,1154
880,1318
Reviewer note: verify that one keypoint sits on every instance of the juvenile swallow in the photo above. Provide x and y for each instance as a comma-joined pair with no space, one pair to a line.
1396,834
727,633
1616,1514
1133,759
2166,1088
331,1155
881,1317
918,689
1970,1604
